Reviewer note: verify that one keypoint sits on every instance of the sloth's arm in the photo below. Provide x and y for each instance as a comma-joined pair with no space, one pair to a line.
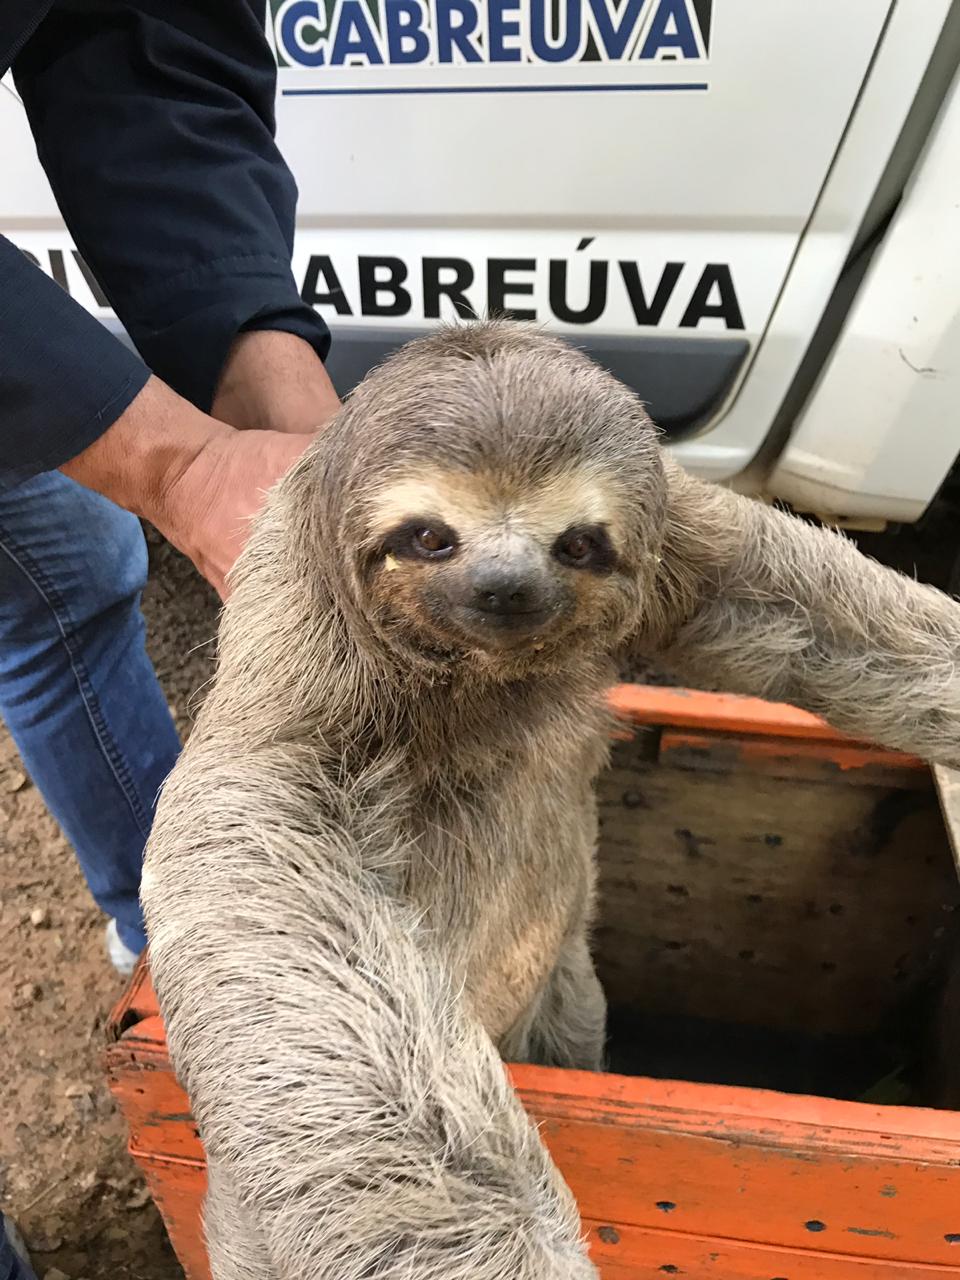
752,600
363,1120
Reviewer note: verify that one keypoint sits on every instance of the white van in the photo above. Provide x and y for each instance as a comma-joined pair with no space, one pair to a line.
749,211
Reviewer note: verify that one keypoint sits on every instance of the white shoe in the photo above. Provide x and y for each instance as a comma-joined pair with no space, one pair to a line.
121,957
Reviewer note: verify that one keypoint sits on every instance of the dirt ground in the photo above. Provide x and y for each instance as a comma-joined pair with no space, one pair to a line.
64,1172
65,1176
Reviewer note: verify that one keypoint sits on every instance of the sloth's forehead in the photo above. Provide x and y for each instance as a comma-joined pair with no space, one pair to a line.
473,502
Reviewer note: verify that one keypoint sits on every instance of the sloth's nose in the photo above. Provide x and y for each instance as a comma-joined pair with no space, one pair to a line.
505,591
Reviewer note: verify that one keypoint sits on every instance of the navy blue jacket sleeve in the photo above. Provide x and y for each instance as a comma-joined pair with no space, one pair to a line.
154,123
63,378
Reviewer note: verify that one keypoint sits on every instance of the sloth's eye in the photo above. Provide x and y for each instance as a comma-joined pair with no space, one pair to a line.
585,547
421,539
432,541
576,547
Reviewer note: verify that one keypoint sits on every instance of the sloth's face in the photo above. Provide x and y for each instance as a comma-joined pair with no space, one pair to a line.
472,562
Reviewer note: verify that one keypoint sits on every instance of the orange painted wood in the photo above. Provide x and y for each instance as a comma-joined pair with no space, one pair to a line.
631,1253
671,1178
156,1109
691,1160
842,753
721,713
804,1173
179,1191
621,1252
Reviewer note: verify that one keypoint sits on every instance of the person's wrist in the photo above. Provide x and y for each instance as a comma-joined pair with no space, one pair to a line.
273,380
140,460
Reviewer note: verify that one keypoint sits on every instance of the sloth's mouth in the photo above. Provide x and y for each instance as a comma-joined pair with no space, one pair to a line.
506,628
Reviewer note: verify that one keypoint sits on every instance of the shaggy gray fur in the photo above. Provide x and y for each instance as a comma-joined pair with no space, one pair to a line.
371,871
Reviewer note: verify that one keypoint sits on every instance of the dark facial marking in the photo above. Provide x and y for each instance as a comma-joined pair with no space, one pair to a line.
421,539
585,546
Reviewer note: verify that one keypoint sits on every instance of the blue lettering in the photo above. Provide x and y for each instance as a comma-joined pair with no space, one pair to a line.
296,18
615,36
671,33
406,39
501,28
456,35
354,38
541,32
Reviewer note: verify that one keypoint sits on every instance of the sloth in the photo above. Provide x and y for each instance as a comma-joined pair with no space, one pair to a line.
371,876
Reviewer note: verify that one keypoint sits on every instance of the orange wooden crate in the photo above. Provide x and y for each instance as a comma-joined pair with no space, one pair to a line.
703,1179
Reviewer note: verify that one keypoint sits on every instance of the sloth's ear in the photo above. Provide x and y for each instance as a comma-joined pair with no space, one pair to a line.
751,600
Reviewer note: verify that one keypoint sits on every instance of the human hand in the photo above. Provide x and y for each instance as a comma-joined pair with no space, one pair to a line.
198,481
208,507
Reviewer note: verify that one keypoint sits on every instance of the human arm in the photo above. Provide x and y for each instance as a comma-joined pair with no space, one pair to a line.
154,123
155,126
752,600
63,378
74,398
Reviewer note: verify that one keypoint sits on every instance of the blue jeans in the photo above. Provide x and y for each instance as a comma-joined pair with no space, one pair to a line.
77,690
12,1266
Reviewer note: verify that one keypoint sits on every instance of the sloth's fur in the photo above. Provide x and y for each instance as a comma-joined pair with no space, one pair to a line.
371,873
